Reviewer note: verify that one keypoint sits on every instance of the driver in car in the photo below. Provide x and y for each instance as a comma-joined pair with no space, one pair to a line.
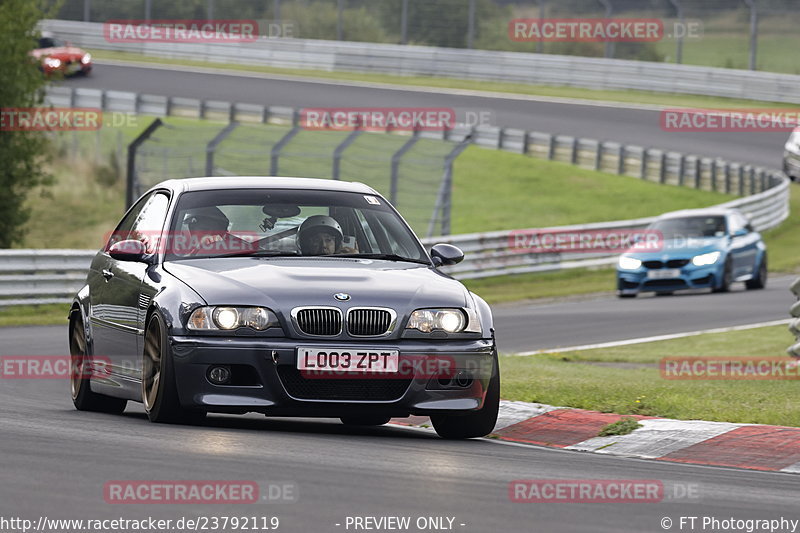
208,234
322,235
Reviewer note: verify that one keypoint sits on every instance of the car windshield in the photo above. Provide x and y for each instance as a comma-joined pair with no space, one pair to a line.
49,42
278,222
697,226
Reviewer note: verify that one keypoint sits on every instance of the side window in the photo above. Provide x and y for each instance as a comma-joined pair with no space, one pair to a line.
150,222
123,230
736,223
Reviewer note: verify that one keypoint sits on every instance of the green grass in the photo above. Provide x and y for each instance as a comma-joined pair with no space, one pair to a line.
632,97
34,315
575,379
623,426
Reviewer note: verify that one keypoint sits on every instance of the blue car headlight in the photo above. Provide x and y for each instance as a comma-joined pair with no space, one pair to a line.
705,259
629,263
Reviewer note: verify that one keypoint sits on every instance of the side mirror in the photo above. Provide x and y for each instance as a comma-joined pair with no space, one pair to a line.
446,254
128,250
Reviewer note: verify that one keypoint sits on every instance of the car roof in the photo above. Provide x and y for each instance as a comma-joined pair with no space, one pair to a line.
262,182
706,212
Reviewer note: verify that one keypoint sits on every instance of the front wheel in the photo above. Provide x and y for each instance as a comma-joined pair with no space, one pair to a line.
725,283
159,391
760,280
477,424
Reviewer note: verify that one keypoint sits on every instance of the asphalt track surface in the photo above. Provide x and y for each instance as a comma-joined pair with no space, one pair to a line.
55,460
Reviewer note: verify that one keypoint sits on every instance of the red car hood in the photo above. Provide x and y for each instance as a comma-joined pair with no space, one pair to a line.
63,53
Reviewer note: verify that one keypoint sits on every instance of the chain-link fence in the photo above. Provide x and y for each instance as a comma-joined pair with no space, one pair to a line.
756,34
409,169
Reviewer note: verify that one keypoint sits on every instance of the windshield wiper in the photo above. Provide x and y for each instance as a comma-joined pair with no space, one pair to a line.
255,253
385,257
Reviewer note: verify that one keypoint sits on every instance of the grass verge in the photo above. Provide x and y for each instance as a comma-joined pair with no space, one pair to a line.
34,315
630,97
598,380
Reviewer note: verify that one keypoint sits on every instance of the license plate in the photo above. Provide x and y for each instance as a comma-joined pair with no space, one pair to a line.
664,274
348,360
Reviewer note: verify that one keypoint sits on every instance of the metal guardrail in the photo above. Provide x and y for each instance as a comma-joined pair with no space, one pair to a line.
515,67
794,325
30,277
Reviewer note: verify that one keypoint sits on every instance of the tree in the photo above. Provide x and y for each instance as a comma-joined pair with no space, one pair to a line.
22,153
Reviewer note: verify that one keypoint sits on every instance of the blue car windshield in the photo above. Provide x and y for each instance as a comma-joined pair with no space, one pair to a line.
280,222
698,226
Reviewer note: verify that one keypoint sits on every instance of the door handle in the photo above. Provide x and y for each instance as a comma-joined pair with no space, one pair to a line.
107,274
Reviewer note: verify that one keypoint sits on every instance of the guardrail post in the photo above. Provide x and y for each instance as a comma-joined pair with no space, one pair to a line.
276,149
662,170
265,114
714,175
698,169
681,170
740,179
762,180
551,147
598,155
211,147
393,181
727,178
526,142
501,134
132,183
339,150
574,155
643,165
168,106
621,162
201,110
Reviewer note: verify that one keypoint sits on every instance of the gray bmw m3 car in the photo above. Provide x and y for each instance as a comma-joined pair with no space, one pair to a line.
282,296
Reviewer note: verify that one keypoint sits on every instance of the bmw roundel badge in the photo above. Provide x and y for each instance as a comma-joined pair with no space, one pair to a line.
342,296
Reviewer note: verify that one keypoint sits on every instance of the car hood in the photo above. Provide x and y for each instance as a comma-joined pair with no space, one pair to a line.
60,52
285,283
682,248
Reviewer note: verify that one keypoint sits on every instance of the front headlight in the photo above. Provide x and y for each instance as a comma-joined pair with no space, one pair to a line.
229,318
448,320
86,59
52,62
629,263
705,259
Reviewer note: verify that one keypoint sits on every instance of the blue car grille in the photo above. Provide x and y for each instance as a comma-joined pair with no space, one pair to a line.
672,263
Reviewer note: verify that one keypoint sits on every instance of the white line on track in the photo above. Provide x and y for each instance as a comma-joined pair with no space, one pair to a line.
657,338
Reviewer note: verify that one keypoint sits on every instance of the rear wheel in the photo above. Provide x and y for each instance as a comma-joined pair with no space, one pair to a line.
80,373
477,424
159,392
365,420
760,279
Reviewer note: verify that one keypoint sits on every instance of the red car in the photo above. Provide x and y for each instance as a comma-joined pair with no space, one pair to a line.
56,57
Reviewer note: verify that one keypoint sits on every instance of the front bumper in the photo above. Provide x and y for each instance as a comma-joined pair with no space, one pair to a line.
690,277
270,383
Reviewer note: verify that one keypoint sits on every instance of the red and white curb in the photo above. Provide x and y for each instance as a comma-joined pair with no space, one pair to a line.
750,446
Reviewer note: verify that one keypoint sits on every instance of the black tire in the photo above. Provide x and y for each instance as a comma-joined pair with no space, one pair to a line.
159,392
477,424
621,295
760,281
82,396
374,420
665,293
725,284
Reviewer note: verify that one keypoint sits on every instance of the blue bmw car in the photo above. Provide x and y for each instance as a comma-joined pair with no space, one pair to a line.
699,248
